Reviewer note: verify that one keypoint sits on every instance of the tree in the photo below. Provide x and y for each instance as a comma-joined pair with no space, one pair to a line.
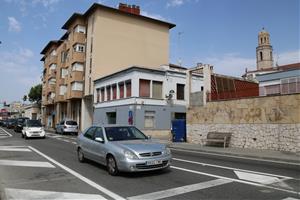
35,94
25,98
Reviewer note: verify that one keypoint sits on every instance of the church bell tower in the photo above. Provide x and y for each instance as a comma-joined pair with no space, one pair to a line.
264,51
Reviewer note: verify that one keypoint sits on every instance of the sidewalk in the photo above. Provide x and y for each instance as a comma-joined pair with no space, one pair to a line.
258,154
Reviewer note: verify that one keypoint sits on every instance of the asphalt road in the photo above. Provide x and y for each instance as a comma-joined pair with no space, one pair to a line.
49,169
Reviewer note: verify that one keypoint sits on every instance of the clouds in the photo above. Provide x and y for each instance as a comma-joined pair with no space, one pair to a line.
18,73
14,25
152,15
175,3
287,57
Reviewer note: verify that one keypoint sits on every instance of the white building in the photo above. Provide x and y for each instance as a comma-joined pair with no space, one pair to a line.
146,98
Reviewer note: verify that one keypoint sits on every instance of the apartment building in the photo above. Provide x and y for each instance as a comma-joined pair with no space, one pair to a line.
99,42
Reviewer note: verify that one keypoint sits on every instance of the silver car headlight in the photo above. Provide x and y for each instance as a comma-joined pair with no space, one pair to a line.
167,151
130,155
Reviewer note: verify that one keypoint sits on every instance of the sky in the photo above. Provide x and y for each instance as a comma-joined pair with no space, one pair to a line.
222,33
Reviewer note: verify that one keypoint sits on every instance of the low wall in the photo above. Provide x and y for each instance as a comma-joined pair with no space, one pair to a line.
261,123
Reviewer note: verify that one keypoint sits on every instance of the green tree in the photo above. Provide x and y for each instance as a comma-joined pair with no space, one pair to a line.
35,94
25,98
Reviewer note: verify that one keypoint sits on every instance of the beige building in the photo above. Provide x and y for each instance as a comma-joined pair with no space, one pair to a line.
99,42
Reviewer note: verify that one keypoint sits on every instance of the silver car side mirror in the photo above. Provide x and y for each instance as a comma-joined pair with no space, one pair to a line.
149,137
99,139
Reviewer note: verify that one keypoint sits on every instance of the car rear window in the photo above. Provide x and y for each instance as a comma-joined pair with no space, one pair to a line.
71,123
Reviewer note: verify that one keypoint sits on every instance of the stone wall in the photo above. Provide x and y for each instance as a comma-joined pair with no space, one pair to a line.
261,123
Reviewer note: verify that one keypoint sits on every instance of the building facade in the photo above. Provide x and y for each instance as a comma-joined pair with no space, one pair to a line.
146,98
97,43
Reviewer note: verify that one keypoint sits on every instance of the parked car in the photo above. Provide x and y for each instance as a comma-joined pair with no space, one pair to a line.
4,123
122,148
67,126
20,123
11,123
1,122
33,128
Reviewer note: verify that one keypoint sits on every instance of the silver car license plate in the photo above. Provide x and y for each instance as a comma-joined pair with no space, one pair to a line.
154,162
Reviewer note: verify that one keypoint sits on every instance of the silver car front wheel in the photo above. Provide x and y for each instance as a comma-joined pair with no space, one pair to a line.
112,167
80,155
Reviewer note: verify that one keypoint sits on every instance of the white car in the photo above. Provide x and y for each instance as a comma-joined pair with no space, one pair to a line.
33,128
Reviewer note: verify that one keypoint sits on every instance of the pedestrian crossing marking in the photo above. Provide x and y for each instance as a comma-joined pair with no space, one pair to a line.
12,193
14,149
26,163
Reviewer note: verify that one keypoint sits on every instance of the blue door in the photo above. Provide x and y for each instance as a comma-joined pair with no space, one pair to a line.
179,130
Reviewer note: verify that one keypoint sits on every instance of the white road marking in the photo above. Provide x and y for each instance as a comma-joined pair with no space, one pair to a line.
230,168
88,181
54,136
12,193
14,149
258,178
74,142
290,198
180,190
26,163
235,180
10,135
240,157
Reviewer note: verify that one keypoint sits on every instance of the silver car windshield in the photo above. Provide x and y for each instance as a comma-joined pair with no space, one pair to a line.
124,133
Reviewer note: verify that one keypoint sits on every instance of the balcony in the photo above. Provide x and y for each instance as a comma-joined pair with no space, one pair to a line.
76,76
78,38
74,94
78,57
61,98
51,59
51,88
52,74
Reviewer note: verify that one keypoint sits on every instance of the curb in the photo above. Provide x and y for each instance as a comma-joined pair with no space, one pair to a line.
2,192
266,158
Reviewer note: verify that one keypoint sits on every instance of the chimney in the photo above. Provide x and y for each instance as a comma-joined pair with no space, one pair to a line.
133,9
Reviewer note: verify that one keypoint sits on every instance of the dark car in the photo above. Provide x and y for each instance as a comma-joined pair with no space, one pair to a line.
1,122
19,124
11,123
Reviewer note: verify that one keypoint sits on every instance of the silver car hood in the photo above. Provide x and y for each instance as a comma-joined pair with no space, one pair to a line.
140,146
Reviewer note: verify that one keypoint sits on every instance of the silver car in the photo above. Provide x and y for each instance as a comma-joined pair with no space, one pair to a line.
67,126
122,148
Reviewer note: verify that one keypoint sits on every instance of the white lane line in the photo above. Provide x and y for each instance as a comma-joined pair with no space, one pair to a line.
88,181
54,136
14,149
235,180
258,178
290,198
10,135
74,142
230,168
180,190
240,157
26,163
12,193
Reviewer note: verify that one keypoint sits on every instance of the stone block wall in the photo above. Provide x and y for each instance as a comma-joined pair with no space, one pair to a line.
261,123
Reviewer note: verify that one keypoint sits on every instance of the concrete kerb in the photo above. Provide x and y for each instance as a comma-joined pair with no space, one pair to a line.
2,192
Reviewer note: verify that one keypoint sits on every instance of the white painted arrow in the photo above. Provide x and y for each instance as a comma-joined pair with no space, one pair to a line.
257,178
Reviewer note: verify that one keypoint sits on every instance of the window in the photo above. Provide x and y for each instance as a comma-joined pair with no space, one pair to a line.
77,67
111,117
144,88
77,86
128,88
102,94
121,89
261,55
290,85
99,133
79,29
53,52
180,91
149,119
64,56
108,93
79,48
52,67
52,81
98,95
63,72
90,133
62,89
157,89
114,92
